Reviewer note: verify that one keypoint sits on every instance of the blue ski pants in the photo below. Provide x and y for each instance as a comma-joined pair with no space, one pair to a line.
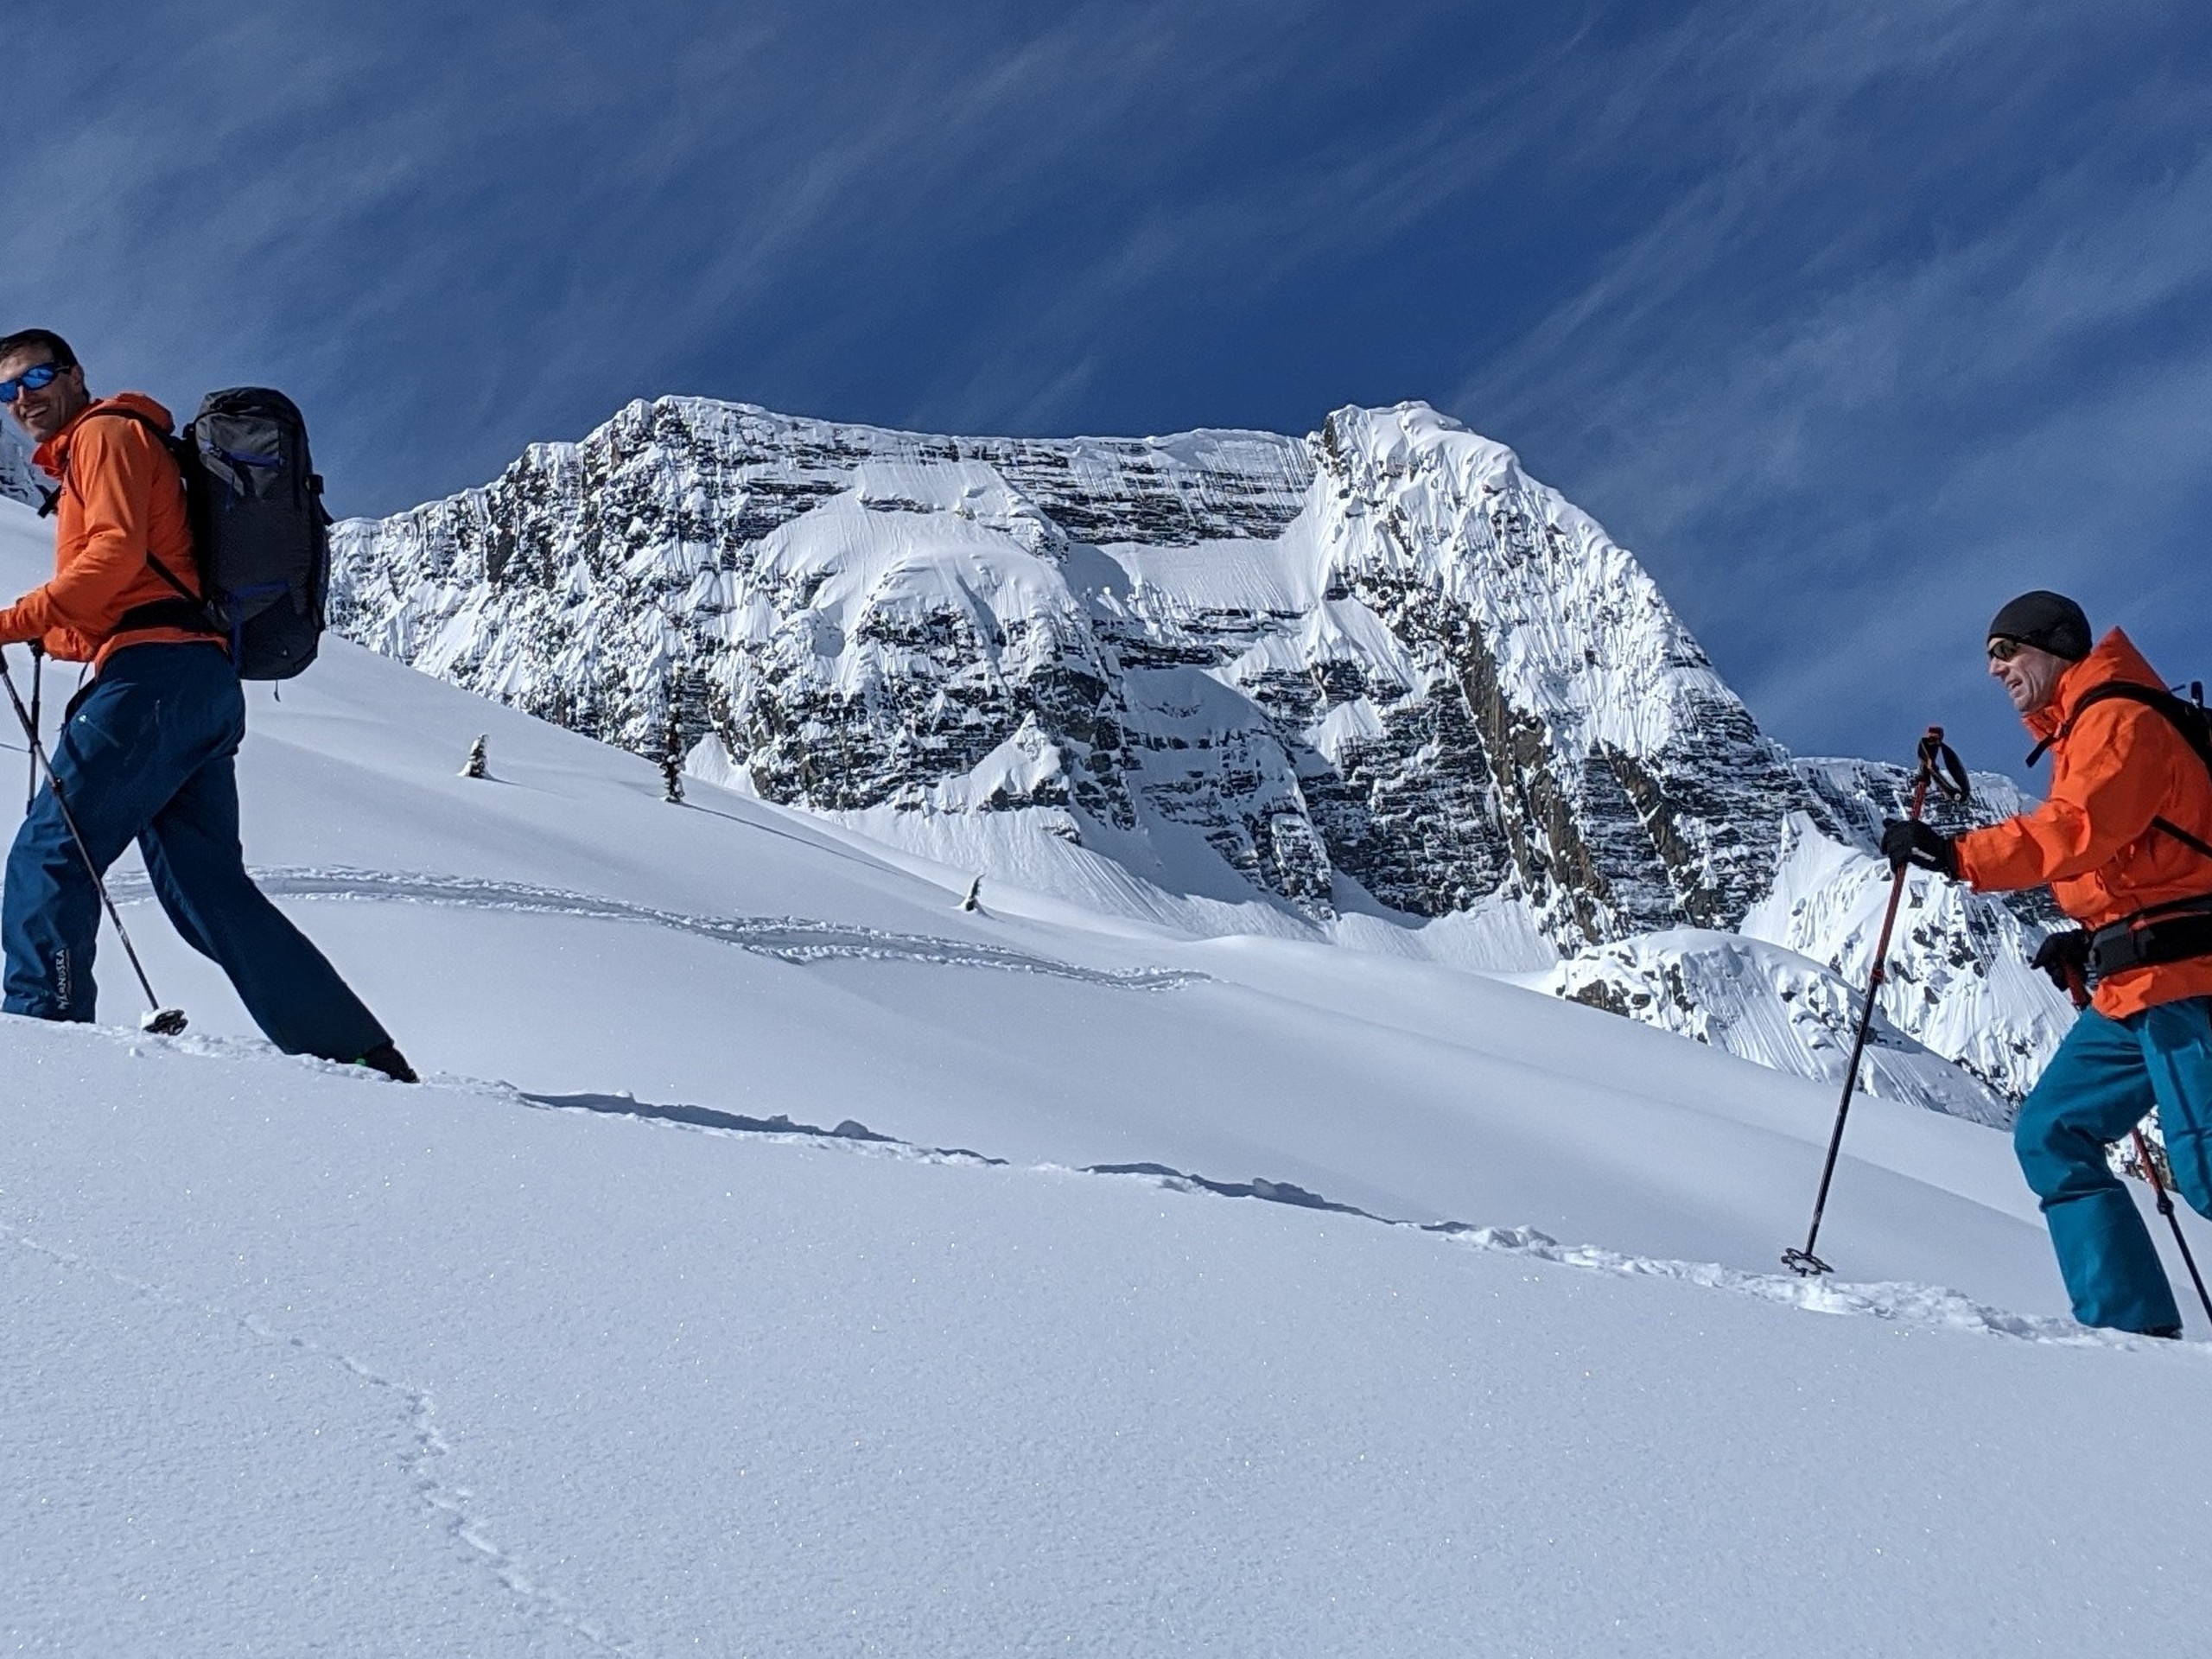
148,754
2105,1077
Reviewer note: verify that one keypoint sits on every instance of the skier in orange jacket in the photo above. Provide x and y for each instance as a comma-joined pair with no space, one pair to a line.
2123,840
148,750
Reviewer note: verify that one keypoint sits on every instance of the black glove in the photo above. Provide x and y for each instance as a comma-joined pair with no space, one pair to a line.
2064,957
1911,842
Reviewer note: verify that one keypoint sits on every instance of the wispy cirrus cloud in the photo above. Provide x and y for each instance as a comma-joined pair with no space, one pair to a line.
1853,385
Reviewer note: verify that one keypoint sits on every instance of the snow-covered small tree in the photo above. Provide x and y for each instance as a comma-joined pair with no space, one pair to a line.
478,763
671,745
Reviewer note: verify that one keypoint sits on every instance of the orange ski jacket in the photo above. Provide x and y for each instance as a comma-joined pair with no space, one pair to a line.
121,506
2117,767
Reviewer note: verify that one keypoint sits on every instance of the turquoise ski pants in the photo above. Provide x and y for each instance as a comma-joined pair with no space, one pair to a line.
2105,1077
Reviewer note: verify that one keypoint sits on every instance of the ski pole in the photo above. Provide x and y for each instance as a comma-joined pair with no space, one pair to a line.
2079,990
38,684
163,1022
1935,757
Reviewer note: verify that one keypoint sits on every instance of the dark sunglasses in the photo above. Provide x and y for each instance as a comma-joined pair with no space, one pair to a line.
36,379
2002,650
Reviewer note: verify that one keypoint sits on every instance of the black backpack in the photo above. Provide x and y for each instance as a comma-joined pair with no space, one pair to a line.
260,535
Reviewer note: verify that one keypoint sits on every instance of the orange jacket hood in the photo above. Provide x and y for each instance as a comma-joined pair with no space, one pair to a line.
52,457
119,520
2117,767
2114,658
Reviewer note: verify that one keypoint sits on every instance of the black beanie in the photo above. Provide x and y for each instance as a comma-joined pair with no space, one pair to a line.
2048,621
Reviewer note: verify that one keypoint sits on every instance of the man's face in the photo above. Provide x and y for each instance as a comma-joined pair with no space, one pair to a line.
2030,673
44,412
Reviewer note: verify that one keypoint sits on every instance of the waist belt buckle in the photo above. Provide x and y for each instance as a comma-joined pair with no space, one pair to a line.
2114,949
2185,930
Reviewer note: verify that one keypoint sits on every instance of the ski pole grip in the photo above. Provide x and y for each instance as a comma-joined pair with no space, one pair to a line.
1940,765
1931,747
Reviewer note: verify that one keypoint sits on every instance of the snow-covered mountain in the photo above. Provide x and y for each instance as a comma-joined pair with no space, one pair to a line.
18,477
1377,684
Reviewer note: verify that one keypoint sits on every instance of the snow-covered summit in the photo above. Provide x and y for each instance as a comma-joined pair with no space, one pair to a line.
1377,681
1441,678
1630,787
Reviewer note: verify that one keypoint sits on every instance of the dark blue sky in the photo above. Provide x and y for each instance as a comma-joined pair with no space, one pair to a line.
1850,320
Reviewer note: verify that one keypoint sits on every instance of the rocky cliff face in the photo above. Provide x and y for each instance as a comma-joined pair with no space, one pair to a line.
1379,670
858,618
1627,787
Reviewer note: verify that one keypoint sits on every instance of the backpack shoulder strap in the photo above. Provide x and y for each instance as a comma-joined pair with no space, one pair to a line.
162,435
2194,843
2150,697
167,440
166,435
2186,718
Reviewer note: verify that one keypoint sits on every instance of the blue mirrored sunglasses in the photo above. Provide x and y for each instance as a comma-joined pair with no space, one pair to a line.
37,379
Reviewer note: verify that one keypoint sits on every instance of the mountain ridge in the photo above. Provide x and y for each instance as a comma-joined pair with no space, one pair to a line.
1376,672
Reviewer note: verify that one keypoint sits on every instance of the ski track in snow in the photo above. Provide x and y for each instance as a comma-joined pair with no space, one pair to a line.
417,1408
1924,1306
1898,1302
796,940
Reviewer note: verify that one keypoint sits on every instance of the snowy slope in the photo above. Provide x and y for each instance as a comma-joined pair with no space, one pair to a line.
304,1364
679,952
591,1358
675,951
1775,1006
